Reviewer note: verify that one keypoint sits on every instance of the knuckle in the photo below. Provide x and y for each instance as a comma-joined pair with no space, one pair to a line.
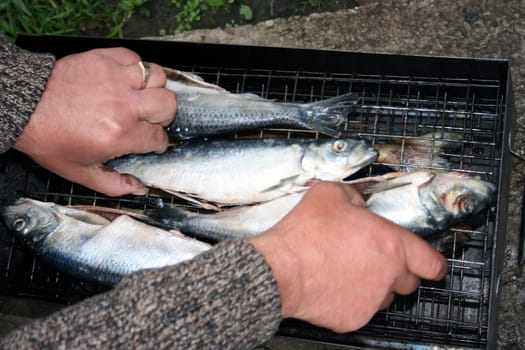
123,51
111,131
391,247
168,101
114,130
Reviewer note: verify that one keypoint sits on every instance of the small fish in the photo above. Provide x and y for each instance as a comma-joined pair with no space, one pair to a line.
419,153
425,203
206,109
91,247
428,202
239,222
246,171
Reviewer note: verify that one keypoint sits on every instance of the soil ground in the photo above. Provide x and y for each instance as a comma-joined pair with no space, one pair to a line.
161,16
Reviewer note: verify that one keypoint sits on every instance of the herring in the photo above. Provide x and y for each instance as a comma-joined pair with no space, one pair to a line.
228,172
241,222
206,109
427,202
89,246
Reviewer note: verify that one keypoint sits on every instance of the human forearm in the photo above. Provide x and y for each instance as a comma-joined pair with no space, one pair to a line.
23,77
226,298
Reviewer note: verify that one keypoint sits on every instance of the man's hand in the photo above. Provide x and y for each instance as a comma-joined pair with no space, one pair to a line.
95,108
337,264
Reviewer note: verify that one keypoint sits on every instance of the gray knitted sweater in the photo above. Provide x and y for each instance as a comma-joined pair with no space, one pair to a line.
226,298
23,77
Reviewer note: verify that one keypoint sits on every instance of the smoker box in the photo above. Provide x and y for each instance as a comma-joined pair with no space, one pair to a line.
401,96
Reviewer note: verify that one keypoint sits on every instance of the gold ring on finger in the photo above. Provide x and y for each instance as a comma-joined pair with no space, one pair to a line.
146,72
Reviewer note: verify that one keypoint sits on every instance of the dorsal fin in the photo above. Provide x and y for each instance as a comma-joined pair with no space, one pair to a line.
189,79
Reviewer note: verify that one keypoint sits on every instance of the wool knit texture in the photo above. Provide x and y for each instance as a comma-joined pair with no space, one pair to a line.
23,77
225,298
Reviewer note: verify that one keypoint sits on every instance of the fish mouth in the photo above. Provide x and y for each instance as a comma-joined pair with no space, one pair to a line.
366,161
370,155
489,192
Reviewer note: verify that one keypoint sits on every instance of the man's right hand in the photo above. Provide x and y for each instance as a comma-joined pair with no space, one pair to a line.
336,263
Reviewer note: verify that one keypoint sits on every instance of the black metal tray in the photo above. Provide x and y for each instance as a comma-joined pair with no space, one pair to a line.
401,96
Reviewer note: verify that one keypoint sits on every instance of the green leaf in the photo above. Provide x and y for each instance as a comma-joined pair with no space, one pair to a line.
214,3
246,12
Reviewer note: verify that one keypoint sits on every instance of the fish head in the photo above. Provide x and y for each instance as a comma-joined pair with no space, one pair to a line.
30,221
336,159
459,195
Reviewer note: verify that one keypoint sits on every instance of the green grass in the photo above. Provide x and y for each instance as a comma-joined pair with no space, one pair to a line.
105,18
191,11
66,17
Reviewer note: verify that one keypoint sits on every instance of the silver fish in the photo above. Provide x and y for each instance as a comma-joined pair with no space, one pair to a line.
246,171
427,202
91,247
238,222
205,109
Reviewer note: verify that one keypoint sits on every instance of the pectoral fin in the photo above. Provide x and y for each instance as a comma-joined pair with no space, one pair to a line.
196,201
91,213
399,181
285,185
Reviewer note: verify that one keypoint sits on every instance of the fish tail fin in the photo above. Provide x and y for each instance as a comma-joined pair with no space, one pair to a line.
329,115
171,217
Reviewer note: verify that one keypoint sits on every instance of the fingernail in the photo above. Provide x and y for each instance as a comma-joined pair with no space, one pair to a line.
140,192
139,188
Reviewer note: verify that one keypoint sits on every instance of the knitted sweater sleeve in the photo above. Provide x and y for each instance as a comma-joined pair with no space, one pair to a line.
23,77
226,298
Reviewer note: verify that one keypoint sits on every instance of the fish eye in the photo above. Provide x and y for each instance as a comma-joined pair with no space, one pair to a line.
339,146
466,205
19,224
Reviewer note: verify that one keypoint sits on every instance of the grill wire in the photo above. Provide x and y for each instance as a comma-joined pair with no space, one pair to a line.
391,108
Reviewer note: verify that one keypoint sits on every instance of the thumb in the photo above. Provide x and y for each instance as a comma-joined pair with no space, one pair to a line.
108,181
422,259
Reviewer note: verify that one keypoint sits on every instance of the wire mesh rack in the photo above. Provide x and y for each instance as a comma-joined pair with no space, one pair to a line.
460,310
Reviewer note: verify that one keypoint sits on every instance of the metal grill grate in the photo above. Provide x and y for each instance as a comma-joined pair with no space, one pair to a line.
391,108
